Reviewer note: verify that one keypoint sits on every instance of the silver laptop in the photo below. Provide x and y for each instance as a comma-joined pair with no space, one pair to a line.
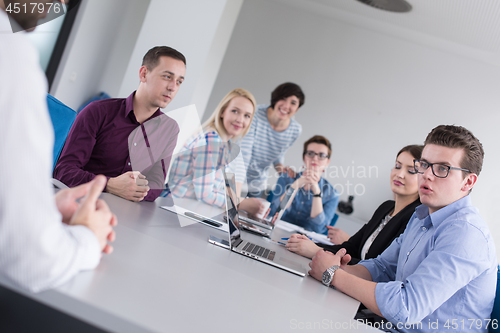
255,247
218,221
211,222
269,221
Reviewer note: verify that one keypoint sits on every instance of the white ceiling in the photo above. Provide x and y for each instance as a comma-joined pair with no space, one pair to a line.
467,27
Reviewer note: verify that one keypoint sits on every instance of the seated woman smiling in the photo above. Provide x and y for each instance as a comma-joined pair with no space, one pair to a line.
197,170
388,221
315,200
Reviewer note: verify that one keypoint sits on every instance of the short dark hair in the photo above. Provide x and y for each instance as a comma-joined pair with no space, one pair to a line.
414,150
318,139
286,90
152,57
452,136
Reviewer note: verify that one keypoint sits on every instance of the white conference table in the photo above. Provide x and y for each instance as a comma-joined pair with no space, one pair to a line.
162,277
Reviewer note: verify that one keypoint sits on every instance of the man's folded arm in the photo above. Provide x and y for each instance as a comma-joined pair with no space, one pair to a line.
77,151
456,259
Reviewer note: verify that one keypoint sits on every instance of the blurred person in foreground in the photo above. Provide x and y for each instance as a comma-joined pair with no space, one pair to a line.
44,241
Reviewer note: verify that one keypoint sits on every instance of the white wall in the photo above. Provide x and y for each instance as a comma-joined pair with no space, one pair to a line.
370,93
98,50
191,27
213,61
201,31
110,38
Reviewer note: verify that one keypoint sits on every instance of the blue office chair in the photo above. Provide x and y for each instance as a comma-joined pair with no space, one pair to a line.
99,96
495,314
270,196
62,118
334,219
166,192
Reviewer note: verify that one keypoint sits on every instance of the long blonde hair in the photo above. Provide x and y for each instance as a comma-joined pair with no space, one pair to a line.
215,120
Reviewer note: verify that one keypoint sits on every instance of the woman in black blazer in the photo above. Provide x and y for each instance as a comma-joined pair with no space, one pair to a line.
388,221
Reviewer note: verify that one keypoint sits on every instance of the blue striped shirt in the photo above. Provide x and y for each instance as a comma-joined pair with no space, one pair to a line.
263,146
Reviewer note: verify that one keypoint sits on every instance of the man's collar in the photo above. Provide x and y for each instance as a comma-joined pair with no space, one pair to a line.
442,214
129,107
129,104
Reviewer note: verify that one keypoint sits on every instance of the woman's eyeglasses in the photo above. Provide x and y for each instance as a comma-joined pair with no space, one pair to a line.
311,154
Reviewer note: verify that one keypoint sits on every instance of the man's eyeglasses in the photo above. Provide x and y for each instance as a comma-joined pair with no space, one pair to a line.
439,170
311,154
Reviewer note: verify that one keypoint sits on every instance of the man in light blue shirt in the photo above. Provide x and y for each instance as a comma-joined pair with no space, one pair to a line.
440,274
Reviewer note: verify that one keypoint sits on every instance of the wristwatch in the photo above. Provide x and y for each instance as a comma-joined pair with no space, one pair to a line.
328,275
317,195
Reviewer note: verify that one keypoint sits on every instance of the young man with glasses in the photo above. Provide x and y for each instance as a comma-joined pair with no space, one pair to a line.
315,201
441,272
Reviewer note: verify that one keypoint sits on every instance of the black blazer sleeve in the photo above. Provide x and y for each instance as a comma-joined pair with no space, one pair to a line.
393,229
356,241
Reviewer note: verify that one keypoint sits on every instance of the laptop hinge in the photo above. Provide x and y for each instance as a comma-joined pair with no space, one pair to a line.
237,243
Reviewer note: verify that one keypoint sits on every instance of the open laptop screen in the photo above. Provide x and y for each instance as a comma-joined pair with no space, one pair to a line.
232,210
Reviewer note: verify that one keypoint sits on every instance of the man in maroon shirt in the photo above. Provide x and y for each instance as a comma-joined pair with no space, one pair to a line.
129,140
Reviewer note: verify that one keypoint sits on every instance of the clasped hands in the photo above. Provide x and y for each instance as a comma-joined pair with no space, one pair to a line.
90,211
310,180
131,185
323,260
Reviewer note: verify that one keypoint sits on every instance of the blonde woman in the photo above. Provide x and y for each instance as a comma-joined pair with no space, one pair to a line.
197,171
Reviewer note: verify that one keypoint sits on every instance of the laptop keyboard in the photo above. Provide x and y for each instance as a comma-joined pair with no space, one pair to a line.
259,251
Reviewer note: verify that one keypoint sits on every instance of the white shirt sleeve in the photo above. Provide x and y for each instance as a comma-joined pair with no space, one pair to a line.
37,251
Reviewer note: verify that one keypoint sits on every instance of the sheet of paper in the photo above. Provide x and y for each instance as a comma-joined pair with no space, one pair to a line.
318,238
288,226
